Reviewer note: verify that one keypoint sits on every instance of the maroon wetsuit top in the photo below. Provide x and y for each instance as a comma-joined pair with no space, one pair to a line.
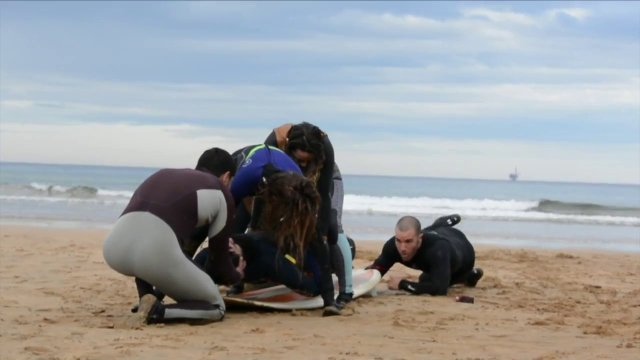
187,199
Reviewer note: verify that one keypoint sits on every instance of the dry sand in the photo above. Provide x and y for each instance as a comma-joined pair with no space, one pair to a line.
59,300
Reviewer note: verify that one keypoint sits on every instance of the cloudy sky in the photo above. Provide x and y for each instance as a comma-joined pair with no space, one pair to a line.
451,89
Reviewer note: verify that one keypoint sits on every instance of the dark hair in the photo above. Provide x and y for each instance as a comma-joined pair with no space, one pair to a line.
217,161
408,222
291,208
308,138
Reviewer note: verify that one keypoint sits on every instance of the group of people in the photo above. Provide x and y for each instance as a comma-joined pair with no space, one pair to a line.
272,214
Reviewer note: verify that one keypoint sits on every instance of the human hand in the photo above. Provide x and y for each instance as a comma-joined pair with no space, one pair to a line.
242,264
234,248
394,282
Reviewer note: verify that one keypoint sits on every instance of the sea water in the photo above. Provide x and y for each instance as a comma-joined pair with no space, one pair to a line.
510,213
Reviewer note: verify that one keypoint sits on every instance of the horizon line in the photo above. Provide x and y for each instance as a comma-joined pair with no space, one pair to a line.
381,175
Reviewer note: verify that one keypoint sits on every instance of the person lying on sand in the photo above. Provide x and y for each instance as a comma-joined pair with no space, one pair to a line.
146,243
255,164
266,263
443,253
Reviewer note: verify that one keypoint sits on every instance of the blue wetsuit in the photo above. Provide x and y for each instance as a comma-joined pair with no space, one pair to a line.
251,163
254,163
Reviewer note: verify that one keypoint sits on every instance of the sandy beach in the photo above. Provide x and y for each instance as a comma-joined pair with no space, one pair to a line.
59,300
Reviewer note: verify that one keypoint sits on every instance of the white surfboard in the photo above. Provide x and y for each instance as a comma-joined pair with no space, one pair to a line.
282,298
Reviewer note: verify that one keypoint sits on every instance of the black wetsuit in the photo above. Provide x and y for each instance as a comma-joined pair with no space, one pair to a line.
265,264
445,256
324,186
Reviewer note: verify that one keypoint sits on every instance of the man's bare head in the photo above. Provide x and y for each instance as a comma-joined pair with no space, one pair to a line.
407,223
408,237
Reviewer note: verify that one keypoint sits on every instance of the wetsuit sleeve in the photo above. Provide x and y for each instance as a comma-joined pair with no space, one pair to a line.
325,182
246,182
272,140
436,282
219,263
387,258
289,275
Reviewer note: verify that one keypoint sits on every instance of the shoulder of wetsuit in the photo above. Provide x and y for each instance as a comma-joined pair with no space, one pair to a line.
269,171
281,133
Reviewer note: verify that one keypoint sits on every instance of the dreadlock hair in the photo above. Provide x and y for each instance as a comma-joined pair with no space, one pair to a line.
291,208
308,138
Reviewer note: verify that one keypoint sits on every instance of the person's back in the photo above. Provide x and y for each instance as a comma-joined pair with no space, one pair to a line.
252,162
172,195
146,242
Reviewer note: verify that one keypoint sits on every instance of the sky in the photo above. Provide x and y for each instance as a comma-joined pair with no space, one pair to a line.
438,89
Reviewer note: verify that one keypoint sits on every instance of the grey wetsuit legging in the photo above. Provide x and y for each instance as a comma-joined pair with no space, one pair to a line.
337,200
147,241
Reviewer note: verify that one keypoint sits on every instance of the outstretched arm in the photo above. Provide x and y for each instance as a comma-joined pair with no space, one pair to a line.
219,263
387,258
436,282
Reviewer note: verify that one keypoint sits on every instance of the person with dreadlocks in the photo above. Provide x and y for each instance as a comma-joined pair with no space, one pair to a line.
291,204
271,192
312,150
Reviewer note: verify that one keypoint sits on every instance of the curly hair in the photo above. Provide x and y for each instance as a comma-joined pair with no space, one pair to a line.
291,207
308,138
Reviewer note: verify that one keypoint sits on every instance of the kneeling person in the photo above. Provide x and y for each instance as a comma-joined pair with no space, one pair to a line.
443,253
146,243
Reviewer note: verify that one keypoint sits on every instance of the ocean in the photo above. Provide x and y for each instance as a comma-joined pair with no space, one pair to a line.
509,213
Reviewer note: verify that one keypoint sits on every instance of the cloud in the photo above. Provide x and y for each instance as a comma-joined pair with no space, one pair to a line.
503,36
507,17
117,144
210,10
425,27
472,22
387,100
491,79
72,108
473,72
576,13
181,145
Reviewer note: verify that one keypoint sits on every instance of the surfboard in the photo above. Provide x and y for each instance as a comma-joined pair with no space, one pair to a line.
282,298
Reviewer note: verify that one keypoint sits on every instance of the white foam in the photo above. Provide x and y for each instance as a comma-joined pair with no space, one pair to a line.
472,208
51,199
62,189
119,193
43,187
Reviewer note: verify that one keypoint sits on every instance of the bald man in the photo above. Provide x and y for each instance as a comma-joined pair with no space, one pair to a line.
442,253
